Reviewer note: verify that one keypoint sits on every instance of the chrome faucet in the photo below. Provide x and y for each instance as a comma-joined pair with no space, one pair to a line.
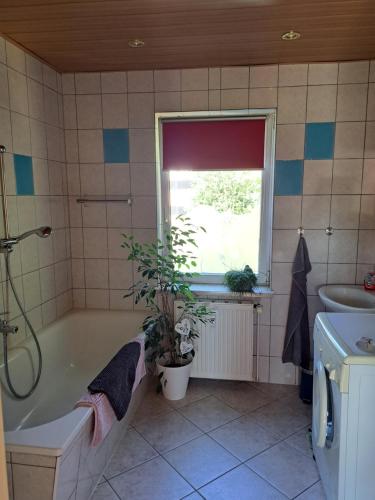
6,328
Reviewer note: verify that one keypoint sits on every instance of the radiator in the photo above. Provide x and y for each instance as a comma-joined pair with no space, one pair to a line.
224,349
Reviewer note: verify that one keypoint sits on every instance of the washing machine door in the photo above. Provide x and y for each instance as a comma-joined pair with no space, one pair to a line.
320,405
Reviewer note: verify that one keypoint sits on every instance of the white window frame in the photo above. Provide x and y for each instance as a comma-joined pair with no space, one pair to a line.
163,189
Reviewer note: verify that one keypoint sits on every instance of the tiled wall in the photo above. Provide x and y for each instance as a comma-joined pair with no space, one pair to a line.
325,172
32,129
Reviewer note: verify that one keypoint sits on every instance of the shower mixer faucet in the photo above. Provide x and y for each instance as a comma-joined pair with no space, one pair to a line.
6,328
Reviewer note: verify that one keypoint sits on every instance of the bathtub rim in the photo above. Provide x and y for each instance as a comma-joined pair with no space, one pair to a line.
54,438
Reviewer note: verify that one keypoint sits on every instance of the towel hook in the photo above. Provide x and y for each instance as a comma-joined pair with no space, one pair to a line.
329,231
301,231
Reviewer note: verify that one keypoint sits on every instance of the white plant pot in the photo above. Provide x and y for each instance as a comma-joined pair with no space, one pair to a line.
174,380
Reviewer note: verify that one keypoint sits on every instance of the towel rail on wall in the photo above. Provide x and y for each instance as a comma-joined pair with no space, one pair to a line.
104,200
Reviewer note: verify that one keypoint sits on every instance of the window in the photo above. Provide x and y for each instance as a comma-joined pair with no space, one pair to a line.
218,171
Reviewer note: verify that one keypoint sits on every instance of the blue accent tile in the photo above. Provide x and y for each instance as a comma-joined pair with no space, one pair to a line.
116,145
319,141
23,169
288,177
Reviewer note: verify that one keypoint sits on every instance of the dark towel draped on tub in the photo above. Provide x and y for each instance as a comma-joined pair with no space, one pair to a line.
297,337
116,380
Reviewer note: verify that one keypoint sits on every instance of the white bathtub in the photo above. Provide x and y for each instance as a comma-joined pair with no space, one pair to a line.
44,431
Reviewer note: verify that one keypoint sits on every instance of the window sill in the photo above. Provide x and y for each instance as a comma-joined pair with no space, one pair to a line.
211,291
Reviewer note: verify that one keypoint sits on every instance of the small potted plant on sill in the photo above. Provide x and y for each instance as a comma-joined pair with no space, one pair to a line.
164,268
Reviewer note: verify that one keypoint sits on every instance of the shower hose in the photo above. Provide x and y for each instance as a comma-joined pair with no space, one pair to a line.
5,341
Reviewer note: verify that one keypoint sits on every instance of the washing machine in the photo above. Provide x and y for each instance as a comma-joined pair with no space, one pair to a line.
343,427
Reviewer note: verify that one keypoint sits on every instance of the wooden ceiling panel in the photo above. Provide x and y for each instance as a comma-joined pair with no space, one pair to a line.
93,35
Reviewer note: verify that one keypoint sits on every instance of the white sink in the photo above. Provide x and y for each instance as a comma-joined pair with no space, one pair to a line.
347,298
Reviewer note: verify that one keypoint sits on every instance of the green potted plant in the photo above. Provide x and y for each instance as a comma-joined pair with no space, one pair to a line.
241,281
164,268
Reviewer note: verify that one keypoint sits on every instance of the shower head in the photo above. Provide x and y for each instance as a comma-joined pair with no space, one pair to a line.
42,232
6,244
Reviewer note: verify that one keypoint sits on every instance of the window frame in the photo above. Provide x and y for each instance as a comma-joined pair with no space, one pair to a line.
163,188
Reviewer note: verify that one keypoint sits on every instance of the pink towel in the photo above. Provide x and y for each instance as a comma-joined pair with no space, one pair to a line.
104,416
141,367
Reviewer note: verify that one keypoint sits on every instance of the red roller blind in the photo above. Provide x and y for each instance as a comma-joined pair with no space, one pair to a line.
213,144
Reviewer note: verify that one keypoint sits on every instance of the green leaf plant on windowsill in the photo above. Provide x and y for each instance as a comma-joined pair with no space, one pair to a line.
169,340
241,281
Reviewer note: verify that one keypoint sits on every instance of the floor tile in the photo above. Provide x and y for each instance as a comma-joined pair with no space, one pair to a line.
280,420
285,468
240,484
276,391
316,492
201,460
301,441
193,496
209,413
243,437
165,432
198,388
154,479
153,404
241,396
104,492
132,451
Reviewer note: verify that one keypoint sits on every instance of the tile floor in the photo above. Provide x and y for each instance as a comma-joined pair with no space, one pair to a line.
225,440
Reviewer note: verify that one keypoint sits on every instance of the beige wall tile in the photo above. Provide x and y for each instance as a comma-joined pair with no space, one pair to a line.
214,78
194,79
68,83
343,246
292,75
214,102
113,82
370,140
39,481
317,177
49,77
4,94
341,273
235,77
115,240
90,146
89,111
321,103
167,101
366,245
345,211
349,140
351,102
279,309
323,73
354,72
96,273
71,145
367,216
117,301
87,83
15,57
118,215
51,107
140,81
143,179
94,215
6,129
371,102
144,212
21,134
292,105
316,278
95,243
142,145
284,245
372,71
70,111
368,184
36,99
167,79
17,92
347,176
115,111
117,179
38,139
120,274
287,212
196,100
92,179
234,99
281,277
263,98
141,110
315,211
97,299
264,76
281,373
290,142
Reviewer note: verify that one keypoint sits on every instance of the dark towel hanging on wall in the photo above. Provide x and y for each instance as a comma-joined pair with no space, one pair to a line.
297,337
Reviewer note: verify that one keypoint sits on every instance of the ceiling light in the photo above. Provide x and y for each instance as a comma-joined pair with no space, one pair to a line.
136,43
291,35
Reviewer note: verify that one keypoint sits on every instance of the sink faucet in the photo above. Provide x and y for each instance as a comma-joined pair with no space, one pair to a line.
6,328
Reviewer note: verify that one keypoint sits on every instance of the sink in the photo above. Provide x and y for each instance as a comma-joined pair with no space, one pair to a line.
347,298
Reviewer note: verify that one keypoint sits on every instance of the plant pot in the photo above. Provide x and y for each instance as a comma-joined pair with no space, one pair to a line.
175,379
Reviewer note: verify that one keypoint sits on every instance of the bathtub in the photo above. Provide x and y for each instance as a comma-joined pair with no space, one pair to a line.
48,441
